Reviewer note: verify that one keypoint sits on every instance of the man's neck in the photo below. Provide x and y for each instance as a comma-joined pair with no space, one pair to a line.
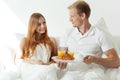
84,28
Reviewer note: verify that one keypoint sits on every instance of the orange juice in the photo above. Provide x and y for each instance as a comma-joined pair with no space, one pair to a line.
61,53
71,53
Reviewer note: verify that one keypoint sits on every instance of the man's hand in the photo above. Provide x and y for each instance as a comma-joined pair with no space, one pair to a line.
62,65
89,59
112,59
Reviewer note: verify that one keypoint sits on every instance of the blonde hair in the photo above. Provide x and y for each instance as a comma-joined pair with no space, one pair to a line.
82,7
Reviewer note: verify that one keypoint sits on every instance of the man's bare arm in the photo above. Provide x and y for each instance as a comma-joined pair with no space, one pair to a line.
112,59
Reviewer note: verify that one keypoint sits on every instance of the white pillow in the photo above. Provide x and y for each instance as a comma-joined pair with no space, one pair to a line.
101,24
7,57
19,36
7,51
117,44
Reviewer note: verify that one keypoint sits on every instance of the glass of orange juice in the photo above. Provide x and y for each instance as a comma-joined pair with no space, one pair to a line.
71,53
62,51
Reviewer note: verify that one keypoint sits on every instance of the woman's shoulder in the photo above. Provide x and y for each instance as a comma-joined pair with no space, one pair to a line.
53,39
23,40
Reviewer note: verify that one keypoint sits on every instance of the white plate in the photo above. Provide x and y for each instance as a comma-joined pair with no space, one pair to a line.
69,61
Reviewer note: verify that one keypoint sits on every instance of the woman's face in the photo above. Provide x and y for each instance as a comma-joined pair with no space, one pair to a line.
41,28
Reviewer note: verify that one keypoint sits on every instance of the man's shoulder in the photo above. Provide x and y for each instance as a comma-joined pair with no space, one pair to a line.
99,31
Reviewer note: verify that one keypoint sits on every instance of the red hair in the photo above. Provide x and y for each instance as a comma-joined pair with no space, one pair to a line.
32,39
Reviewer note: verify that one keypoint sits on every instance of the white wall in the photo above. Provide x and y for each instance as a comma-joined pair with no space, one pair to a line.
57,16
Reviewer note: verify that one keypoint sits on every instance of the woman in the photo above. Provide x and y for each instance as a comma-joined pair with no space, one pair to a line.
37,50
38,47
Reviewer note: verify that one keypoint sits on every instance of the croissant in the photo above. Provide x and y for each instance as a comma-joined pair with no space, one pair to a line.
66,57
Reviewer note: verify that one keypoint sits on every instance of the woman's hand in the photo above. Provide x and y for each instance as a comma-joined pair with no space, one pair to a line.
42,63
34,61
39,62
49,63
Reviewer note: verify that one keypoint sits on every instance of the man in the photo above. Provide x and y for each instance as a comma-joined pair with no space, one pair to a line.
89,40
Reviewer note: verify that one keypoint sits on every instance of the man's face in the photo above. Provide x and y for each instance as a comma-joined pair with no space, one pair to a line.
75,18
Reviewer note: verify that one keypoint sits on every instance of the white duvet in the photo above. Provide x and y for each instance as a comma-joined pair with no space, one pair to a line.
51,72
83,71
72,72
37,72
28,71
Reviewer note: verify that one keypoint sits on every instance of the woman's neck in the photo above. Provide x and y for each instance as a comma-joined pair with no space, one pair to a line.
40,37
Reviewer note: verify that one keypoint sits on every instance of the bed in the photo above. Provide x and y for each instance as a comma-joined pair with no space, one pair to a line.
11,71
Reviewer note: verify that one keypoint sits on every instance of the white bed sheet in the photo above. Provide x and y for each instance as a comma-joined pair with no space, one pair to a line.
110,73
51,72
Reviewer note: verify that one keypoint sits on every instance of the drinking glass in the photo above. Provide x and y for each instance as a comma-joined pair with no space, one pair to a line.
62,51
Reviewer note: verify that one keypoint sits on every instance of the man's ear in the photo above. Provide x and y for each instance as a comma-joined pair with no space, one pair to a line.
83,16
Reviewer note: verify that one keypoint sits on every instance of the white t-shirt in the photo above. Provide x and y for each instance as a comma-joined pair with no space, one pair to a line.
93,42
